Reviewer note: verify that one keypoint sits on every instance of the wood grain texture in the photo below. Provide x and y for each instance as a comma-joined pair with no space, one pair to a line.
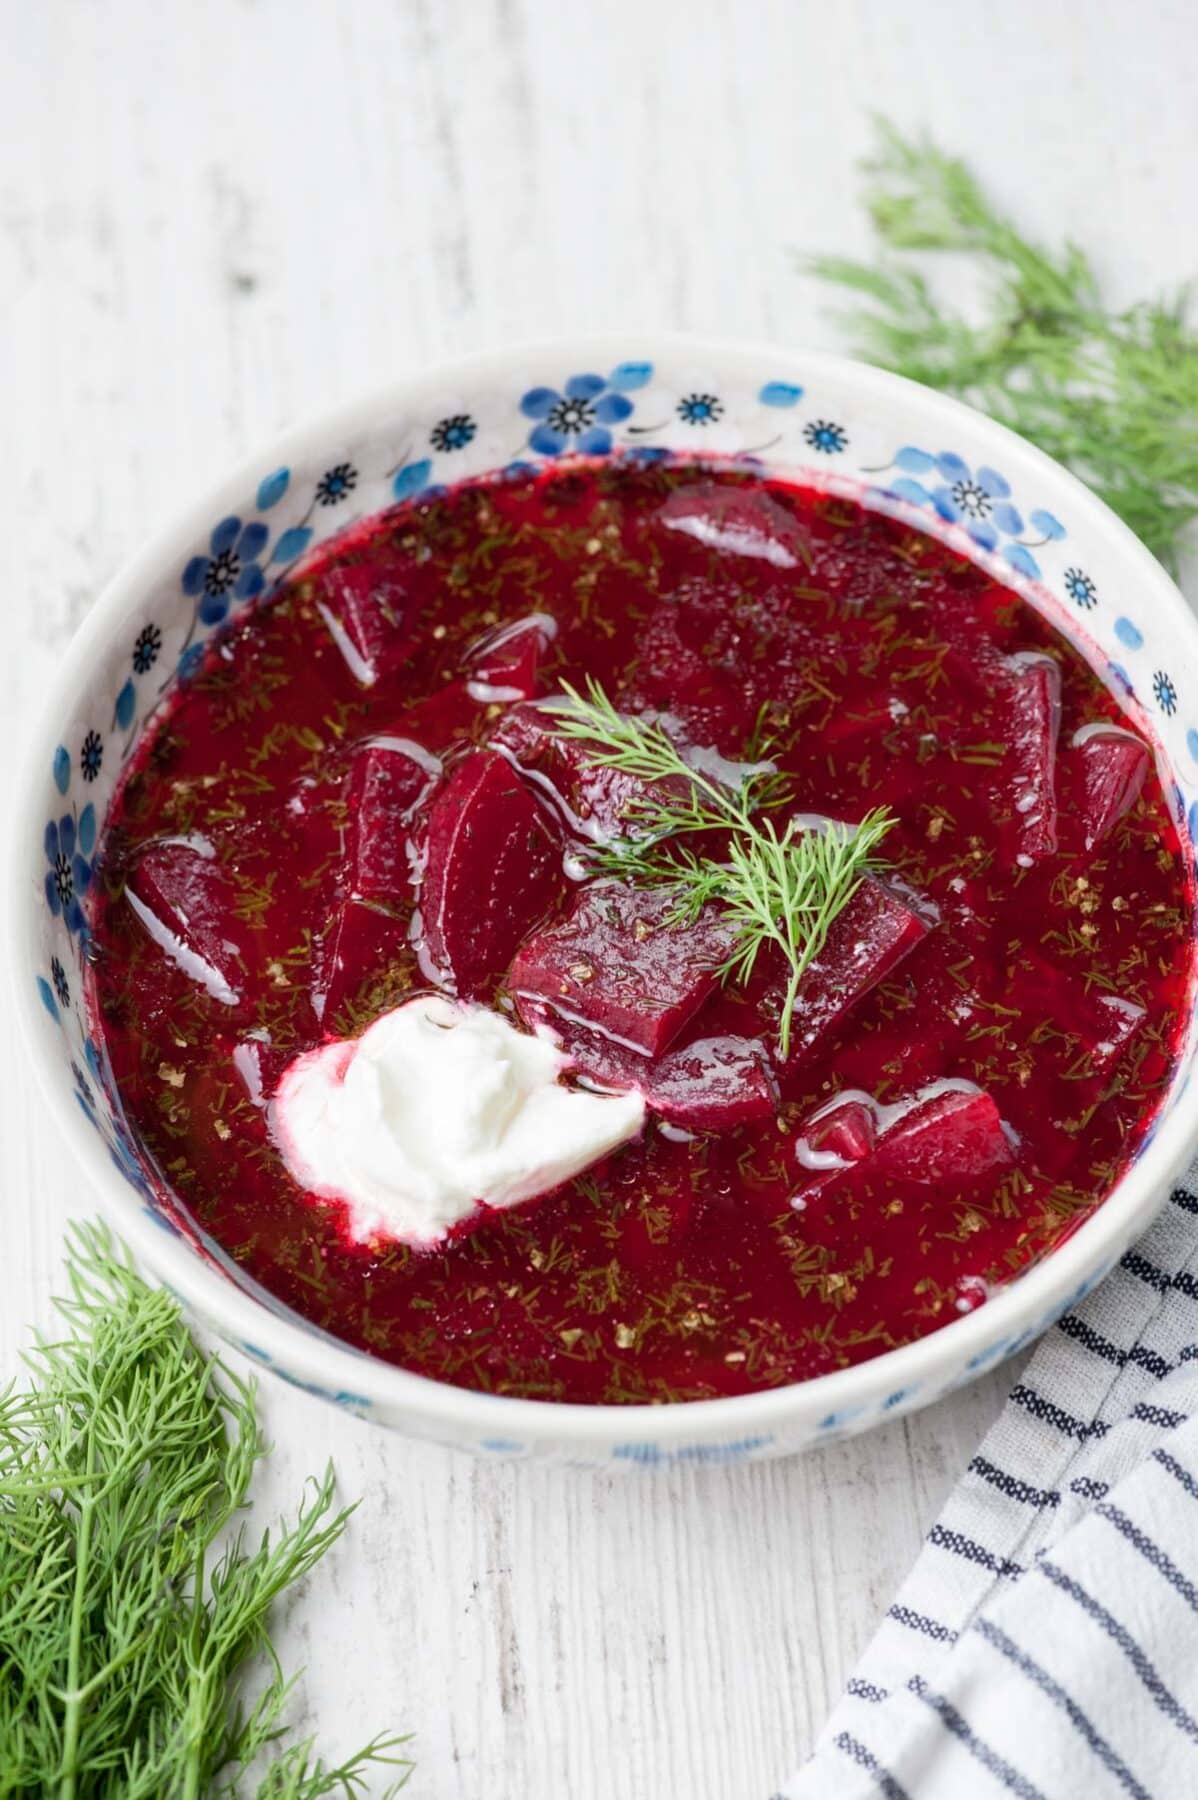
217,218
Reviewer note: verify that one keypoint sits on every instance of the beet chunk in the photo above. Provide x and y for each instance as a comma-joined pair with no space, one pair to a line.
956,1135
504,664
389,779
185,901
709,1083
741,521
355,947
1101,775
492,871
367,611
841,1133
873,933
712,1084
703,659
1029,712
593,801
944,1134
616,965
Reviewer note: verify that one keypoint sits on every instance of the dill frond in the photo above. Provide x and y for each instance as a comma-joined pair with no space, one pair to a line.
785,888
132,1605
1112,394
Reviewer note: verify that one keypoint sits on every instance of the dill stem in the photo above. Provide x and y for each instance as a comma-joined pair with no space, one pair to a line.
193,1735
74,1695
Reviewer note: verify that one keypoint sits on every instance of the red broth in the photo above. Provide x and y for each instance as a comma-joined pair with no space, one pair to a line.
1042,984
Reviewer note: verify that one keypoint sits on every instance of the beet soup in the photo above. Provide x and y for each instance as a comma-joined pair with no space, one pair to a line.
794,1095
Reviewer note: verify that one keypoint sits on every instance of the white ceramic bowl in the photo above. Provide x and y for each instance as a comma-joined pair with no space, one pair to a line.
833,423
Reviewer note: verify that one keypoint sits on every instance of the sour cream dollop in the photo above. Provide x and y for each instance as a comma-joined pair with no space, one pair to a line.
440,1107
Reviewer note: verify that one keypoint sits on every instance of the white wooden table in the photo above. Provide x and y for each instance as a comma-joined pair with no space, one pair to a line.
217,218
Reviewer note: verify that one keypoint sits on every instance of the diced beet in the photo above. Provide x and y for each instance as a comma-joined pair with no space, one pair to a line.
843,1132
956,1135
503,665
866,941
492,871
366,610
619,967
1102,774
742,521
712,1084
185,901
1029,712
712,657
355,947
595,802
439,721
389,779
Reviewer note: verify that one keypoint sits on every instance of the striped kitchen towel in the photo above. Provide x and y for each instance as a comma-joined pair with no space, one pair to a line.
1045,1645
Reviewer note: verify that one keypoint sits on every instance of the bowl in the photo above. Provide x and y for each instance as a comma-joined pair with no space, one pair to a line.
839,425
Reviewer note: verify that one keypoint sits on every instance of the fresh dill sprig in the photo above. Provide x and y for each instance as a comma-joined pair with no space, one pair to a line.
785,888
1111,393
132,1605
688,799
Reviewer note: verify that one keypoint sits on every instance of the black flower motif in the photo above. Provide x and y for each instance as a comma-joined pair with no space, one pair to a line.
221,573
971,498
146,647
1165,691
336,484
62,986
453,433
571,416
825,436
91,756
64,885
1081,589
700,409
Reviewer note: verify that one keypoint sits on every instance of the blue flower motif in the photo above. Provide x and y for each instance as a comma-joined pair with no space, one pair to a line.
826,436
978,499
231,571
453,433
1081,589
69,874
700,409
1165,690
578,418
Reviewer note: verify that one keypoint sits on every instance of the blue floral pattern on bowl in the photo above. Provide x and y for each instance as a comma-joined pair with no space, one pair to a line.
229,570
735,406
577,417
978,499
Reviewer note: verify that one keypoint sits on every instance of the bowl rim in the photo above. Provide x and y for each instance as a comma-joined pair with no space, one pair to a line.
295,1348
